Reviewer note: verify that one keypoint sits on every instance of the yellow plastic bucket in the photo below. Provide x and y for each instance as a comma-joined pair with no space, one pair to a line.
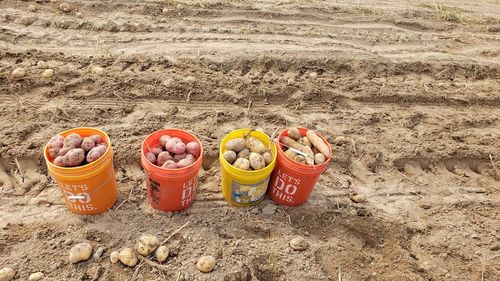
240,187
89,189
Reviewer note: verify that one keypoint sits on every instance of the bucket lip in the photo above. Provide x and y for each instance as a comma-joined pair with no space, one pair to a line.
94,164
246,172
306,167
179,170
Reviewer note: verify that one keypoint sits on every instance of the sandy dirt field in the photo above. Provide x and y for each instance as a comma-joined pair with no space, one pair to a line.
412,86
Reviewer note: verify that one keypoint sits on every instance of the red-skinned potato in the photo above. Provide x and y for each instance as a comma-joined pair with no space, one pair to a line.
96,138
88,143
156,150
55,145
171,144
164,139
185,162
74,157
178,157
193,148
70,141
58,161
163,157
151,157
169,164
96,152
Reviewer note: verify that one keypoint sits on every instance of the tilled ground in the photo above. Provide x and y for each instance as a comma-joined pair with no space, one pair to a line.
412,86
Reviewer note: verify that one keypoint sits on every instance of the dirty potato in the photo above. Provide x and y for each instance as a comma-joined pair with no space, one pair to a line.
230,156
236,145
114,257
319,158
161,254
147,244
127,257
268,157
7,274
169,164
73,157
257,162
242,163
80,252
151,157
88,143
294,133
193,148
206,264
255,145
164,139
96,152
163,157
245,153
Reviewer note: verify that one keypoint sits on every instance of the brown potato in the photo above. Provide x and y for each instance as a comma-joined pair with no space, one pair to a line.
294,133
230,156
255,145
319,158
257,162
245,153
236,145
242,163
268,157
80,252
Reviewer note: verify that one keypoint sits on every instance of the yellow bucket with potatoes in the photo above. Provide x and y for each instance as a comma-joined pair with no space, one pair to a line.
241,187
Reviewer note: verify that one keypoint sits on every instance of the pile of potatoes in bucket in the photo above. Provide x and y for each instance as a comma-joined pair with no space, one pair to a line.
307,149
250,154
73,150
173,153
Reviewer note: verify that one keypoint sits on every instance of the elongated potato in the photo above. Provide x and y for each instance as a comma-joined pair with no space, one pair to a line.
236,145
305,141
318,143
291,143
310,155
96,152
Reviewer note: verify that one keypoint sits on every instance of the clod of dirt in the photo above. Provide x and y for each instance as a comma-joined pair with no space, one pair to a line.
359,198
162,253
80,252
299,243
127,257
206,264
341,140
18,72
35,276
190,79
65,7
269,209
147,244
98,253
32,8
97,70
164,10
79,15
313,75
7,274
48,73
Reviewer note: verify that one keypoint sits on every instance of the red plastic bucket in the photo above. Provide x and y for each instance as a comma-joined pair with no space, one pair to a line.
292,182
170,189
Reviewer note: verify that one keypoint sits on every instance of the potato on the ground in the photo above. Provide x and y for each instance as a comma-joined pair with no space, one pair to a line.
114,257
257,162
35,276
7,274
80,252
162,253
147,244
230,156
127,257
206,264
18,72
236,145
193,148
294,133
242,163
318,143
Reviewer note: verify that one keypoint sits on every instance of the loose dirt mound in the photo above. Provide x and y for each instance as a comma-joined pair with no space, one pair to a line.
413,88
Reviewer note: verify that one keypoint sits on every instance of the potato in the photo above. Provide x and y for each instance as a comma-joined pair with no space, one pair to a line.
193,148
127,257
268,157
305,141
161,254
80,252
291,154
151,157
59,161
294,133
236,145
185,162
164,139
206,263
32,8
163,157
178,157
96,138
87,144
96,152
65,7
169,164
310,155
318,143
301,159
114,257
73,158
146,244
298,243
230,156
290,143
245,153
70,141
35,276
242,163
255,145
7,274
48,73
55,145
156,150
18,73
176,146
319,158
257,162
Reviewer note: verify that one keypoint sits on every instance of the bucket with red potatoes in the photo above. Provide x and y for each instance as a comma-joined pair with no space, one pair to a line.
173,153
75,150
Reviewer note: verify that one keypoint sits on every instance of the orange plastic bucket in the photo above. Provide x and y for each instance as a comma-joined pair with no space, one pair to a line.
170,189
292,182
89,189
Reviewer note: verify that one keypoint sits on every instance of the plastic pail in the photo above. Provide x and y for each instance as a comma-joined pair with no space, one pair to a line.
89,189
240,187
170,189
293,182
